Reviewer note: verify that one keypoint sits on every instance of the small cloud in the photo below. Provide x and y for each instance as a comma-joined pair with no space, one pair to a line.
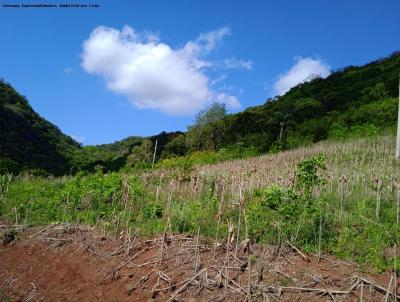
217,80
68,70
230,100
78,138
227,88
152,74
209,41
233,63
305,69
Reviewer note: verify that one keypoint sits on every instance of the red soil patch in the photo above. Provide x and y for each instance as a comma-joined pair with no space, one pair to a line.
74,263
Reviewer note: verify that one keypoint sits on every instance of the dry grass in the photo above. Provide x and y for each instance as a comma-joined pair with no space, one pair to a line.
354,166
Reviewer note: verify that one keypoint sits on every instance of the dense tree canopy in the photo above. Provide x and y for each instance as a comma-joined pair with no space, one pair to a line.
202,135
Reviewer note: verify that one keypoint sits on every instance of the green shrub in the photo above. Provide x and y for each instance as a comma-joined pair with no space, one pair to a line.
340,132
307,173
275,211
8,165
185,164
152,211
92,191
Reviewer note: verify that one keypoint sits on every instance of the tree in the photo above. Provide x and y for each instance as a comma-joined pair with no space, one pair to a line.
177,146
306,108
377,92
140,153
203,134
213,113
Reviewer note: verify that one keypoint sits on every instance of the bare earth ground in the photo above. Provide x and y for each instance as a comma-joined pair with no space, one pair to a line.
64,262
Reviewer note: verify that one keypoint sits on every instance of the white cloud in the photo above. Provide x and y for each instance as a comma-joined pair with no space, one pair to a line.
230,100
233,63
217,80
305,69
210,40
151,73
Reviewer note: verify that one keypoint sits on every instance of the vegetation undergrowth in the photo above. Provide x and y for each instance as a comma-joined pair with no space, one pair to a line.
337,197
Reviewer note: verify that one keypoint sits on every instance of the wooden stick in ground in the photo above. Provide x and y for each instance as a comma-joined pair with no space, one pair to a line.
234,283
239,220
143,279
397,240
388,290
228,247
331,295
249,281
298,251
169,206
329,292
362,292
154,155
398,208
162,246
370,291
175,285
395,270
118,226
355,284
378,287
320,234
378,200
124,263
185,285
197,253
219,218
306,289
154,289
42,230
342,194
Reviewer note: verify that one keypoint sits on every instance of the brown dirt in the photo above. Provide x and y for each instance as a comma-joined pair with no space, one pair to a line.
74,263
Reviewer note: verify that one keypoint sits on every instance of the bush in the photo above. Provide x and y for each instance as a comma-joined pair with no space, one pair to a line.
8,165
153,211
189,216
307,174
82,197
275,213
92,191
339,132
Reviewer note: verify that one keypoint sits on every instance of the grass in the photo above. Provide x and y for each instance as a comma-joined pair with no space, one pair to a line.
3,296
349,210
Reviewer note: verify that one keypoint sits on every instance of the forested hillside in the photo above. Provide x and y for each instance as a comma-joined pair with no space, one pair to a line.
312,111
131,152
351,100
27,141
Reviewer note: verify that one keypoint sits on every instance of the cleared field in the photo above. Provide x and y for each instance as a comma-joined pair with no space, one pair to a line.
331,198
65,262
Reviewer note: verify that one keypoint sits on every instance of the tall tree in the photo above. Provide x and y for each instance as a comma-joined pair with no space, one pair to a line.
202,134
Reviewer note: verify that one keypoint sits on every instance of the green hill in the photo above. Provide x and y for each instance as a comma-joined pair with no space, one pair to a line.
353,99
312,111
114,156
28,141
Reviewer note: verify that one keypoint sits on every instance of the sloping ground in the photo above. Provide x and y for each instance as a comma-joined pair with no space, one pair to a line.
359,160
65,262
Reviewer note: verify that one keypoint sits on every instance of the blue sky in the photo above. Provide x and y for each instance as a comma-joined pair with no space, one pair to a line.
141,67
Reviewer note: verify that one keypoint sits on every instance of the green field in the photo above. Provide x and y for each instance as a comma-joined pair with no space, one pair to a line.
334,197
